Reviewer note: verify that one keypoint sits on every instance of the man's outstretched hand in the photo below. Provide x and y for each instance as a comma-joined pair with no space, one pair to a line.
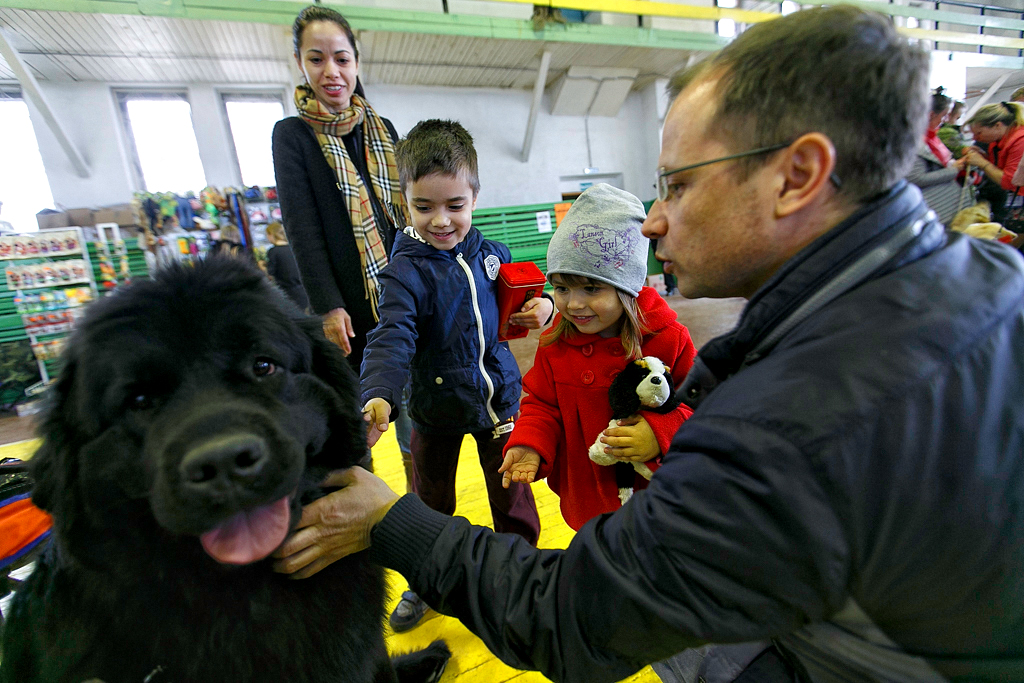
336,525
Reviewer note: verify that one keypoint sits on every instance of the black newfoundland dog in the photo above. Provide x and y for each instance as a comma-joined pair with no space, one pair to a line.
196,412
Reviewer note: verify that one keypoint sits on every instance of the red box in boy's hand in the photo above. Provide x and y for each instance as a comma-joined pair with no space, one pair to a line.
517,284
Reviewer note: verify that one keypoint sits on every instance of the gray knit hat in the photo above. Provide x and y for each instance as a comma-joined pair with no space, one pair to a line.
600,238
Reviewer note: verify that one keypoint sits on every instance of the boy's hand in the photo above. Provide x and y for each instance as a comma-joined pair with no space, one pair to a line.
338,329
534,314
520,465
377,412
632,441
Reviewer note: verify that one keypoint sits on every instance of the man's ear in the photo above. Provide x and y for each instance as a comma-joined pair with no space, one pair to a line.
808,165
347,443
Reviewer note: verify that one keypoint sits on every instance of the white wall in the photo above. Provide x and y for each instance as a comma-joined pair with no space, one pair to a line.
497,120
627,143
89,118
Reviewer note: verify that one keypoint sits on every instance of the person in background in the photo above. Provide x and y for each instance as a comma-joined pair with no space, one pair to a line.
341,200
951,133
439,326
1018,95
845,502
1001,127
168,250
934,170
281,265
607,319
229,243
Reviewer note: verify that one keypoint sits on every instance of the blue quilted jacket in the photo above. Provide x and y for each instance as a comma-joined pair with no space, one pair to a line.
439,322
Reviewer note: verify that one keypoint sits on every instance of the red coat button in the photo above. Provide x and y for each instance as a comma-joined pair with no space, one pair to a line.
617,350
587,349
587,377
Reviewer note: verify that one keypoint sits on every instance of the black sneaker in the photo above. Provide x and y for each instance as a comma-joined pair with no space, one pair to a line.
408,613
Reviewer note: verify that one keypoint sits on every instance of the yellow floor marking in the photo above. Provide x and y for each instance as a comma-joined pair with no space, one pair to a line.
471,661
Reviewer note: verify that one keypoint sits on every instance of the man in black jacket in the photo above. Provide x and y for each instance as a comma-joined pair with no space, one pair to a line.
847,498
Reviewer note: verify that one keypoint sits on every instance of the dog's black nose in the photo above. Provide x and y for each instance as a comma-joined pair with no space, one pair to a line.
655,380
230,459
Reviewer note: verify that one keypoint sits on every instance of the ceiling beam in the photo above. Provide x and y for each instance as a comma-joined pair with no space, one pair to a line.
538,95
988,95
436,23
30,89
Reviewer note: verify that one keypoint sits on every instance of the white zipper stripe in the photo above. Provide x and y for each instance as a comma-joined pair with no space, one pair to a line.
480,334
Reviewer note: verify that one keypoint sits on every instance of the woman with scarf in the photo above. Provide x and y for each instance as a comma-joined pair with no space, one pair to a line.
338,186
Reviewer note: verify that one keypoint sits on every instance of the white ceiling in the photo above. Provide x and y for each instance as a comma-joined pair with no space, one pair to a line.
132,49
129,49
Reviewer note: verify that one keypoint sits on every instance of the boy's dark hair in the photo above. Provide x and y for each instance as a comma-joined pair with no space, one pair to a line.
437,146
840,71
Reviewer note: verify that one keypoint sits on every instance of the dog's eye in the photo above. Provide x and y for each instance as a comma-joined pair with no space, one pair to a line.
263,367
140,402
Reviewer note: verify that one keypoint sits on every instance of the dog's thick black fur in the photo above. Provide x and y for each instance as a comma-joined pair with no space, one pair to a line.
194,415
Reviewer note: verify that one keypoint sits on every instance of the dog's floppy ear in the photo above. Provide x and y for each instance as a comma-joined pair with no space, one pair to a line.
54,467
346,445
622,392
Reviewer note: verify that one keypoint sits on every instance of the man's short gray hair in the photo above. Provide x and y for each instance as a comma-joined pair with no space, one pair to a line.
840,71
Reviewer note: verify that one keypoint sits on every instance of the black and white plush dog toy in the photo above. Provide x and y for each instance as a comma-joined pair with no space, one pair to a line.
644,383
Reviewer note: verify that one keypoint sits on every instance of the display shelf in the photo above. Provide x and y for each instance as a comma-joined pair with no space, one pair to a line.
53,301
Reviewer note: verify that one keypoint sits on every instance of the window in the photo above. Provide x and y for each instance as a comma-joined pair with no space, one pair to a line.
726,27
24,188
252,119
160,131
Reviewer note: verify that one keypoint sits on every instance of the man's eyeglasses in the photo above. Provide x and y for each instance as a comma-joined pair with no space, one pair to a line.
662,180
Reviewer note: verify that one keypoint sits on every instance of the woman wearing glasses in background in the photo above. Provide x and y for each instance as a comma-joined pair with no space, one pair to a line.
1001,127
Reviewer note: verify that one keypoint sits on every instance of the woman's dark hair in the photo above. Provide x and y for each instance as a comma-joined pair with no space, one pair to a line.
940,100
320,13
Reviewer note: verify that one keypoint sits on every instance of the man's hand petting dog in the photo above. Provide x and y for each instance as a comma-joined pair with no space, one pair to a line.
336,525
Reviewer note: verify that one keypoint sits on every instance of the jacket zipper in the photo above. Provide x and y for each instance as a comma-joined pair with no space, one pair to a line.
480,334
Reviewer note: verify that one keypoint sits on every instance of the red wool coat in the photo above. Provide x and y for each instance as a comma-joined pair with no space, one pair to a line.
566,407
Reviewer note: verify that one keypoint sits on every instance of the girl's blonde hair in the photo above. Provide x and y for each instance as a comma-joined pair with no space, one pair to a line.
634,325
275,233
1010,113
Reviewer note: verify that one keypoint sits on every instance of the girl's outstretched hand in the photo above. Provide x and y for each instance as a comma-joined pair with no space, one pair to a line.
520,465
633,440
534,314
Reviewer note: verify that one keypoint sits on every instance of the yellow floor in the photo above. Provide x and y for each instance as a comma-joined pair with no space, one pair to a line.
471,661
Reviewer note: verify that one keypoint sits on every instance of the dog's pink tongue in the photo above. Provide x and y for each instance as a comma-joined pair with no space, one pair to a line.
248,536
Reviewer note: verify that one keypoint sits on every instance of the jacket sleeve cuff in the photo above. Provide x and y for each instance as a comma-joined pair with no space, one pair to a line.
403,539
666,426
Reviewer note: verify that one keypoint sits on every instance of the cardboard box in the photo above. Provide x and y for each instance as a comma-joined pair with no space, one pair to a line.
122,214
517,284
81,217
52,219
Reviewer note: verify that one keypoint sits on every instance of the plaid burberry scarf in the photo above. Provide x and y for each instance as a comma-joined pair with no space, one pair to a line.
380,161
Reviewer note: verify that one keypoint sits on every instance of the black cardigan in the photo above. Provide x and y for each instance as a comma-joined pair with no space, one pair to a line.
317,223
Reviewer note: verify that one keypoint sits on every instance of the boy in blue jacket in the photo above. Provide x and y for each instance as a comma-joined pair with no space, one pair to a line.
439,322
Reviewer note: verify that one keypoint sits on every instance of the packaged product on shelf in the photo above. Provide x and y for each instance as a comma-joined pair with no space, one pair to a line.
71,241
19,246
6,247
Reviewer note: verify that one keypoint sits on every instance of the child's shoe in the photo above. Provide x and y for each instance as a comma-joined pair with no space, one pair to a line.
408,613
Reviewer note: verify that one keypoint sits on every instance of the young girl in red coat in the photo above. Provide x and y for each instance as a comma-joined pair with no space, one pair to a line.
597,263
